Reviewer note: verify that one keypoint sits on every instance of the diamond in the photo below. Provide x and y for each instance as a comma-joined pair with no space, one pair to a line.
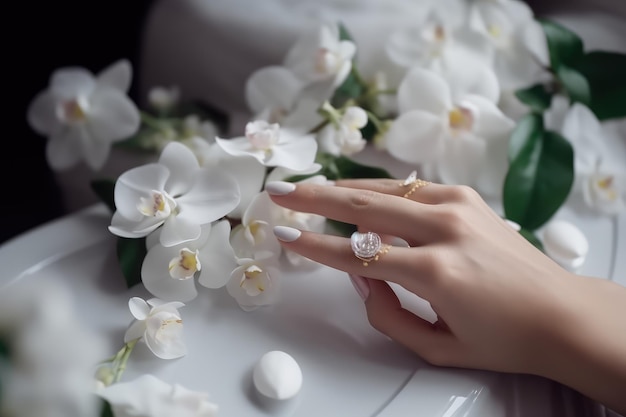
365,245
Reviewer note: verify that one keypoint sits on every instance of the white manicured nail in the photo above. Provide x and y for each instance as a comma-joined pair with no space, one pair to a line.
279,187
286,234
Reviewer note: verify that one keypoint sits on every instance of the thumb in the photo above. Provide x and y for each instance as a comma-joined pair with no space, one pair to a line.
385,313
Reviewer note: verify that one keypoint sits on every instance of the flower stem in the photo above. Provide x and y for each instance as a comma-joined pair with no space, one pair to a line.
121,358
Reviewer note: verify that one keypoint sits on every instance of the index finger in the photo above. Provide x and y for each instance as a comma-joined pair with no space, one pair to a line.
414,222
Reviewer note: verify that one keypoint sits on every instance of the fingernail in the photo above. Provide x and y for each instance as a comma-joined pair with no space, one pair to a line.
286,234
330,182
361,286
279,187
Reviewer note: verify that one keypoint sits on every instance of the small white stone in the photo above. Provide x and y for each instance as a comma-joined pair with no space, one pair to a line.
277,375
566,244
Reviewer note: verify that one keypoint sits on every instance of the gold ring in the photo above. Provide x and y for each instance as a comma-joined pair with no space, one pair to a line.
368,246
414,182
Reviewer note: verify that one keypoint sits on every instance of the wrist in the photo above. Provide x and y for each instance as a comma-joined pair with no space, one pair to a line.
585,340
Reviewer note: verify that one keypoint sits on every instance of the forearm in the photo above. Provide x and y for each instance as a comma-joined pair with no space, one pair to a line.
587,350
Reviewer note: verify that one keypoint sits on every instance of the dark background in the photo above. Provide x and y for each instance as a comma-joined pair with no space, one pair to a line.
42,37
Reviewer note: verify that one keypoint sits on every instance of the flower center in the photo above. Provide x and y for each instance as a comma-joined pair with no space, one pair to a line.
159,205
169,330
73,111
185,265
461,118
254,281
605,186
262,135
326,61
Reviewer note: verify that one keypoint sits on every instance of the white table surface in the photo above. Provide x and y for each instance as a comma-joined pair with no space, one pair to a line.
349,369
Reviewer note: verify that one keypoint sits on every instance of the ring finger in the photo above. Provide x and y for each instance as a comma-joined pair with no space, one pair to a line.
408,267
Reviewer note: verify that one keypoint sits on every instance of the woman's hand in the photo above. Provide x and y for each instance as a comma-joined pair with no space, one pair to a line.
501,304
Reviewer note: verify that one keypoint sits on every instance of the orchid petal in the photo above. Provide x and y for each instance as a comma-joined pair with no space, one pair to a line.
173,350
491,123
462,160
415,137
272,86
95,152
213,195
218,257
123,227
138,308
297,154
135,331
424,90
467,73
157,280
117,75
112,115
42,116
71,82
178,229
63,148
136,183
183,166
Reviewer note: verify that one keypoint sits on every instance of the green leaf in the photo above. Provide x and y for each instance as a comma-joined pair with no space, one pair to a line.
344,33
342,167
4,348
575,84
130,254
343,229
565,47
604,71
350,89
539,180
537,97
106,410
353,86
532,238
105,190
528,129
348,168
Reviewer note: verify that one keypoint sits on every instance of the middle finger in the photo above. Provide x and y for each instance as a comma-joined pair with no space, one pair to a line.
414,222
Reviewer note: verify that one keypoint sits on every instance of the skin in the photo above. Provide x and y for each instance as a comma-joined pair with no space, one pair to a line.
502,305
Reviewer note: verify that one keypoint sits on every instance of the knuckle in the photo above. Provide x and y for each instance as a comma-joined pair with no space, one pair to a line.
363,200
463,193
453,219
441,268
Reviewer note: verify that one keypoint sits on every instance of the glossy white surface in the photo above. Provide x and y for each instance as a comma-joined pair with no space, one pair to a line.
348,368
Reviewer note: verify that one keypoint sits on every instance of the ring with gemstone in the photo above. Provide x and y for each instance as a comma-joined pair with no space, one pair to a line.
367,246
414,182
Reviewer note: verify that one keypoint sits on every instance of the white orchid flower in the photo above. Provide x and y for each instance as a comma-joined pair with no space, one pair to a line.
599,170
159,325
441,33
281,216
273,146
51,353
169,273
321,56
465,140
83,115
255,231
149,396
521,49
246,170
344,138
256,281
175,193
276,95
